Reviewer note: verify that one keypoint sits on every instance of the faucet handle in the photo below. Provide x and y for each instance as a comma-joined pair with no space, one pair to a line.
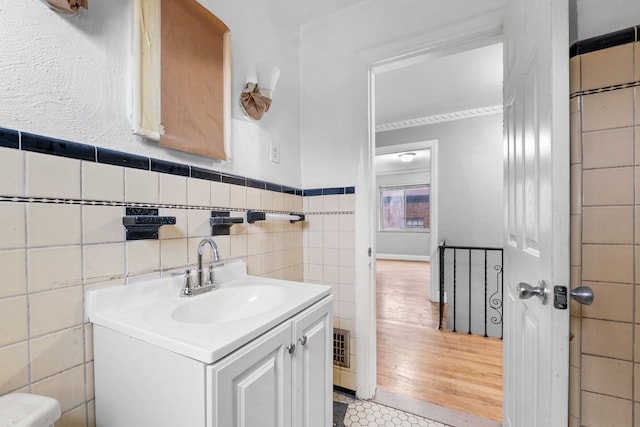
187,282
211,279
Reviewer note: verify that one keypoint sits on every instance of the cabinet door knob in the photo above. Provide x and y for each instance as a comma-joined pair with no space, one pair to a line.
303,340
291,348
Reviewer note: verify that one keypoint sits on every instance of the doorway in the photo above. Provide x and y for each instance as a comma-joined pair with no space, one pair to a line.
462,224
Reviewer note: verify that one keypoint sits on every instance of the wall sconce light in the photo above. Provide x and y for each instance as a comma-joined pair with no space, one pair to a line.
256,97
67,6
407,157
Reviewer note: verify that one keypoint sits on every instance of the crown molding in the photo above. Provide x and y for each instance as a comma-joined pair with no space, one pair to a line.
440,118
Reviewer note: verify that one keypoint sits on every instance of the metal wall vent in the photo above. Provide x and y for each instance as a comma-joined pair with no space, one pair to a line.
341,347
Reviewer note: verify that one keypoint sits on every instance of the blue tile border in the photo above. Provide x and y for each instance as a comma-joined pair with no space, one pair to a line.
9,138
58,147
170,168
118,158
206,174
616,38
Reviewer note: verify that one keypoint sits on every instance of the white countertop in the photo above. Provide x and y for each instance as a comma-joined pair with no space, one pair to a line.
144,311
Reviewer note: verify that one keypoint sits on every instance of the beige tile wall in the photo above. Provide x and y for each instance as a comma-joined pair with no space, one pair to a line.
51,254
329,257
605,354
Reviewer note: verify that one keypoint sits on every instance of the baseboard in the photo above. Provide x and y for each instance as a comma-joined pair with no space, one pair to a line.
397,257
344,390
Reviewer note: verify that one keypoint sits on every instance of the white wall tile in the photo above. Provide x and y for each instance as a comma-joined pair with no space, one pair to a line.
198,223
173,253
278,201
254,198
52,176
14,280
331,223
55,310
12,226
239,246
14,369
315,204
331,256
220,194
315,223
314,256
11,172
173,189
103,262
53,225
102,182
54,353
141,186
102,224
347,222
347,239
90,385
198,192
76,417
347,258
268,263
331,239
54,267
238,197
66,387
331,274
143,256
347,275
179,230
347,309
13,320
347,202
331,203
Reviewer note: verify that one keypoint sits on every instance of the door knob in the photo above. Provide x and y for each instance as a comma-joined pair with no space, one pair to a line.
526,291
582,295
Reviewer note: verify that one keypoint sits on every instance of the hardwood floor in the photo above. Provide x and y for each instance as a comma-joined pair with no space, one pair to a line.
454,370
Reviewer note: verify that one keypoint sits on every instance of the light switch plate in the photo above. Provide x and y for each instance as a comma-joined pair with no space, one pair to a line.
274,151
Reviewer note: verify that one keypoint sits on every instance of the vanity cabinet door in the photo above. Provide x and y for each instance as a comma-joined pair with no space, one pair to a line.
313,366
252,386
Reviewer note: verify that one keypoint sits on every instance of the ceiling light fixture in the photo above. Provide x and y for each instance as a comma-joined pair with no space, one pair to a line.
407,157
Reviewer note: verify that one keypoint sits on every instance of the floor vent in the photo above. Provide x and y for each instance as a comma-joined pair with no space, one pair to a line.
341,347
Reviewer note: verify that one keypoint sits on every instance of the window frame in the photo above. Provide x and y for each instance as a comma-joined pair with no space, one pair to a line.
382,188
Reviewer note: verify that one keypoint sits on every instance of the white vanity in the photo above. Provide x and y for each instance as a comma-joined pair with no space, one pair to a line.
254,353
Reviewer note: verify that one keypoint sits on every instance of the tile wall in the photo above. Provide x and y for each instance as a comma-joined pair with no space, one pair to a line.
329,257
605,224
61,234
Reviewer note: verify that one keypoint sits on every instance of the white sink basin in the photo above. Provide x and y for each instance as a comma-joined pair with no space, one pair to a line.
204,327
238,302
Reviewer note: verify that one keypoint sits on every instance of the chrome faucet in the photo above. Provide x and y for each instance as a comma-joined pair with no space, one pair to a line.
216,258
202,286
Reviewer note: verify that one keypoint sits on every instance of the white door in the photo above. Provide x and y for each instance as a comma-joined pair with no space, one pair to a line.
536,101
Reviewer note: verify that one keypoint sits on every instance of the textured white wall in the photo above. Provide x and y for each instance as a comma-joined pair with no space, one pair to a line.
68,77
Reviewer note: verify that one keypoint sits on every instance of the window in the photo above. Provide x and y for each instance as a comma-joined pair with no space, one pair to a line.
404,208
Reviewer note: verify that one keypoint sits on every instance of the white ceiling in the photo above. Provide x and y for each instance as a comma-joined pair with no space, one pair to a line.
458,82
304,11
390,163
